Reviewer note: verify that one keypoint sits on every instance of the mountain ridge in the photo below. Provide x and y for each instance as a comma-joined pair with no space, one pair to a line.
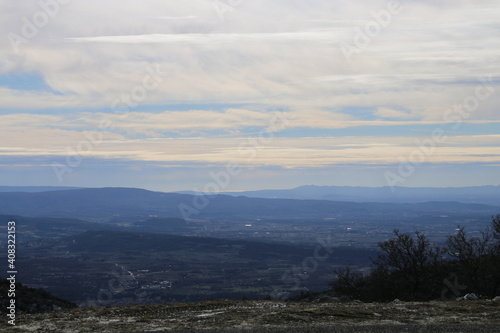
105,203
488,194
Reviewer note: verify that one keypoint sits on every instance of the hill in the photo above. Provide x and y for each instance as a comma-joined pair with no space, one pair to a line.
105,204
30,300
32,189
136,267
488,195
32,228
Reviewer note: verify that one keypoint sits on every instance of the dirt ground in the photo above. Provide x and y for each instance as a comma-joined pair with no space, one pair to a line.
270,316
441,328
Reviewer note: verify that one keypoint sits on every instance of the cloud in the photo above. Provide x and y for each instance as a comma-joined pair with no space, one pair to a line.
260,53
281,37
224,76
384,112
188,17
246,150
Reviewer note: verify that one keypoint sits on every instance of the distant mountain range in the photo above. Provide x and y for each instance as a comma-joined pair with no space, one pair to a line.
488,195
105,204
36,188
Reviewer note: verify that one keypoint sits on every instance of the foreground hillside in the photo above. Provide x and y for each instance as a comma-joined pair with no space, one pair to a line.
272,316
30,300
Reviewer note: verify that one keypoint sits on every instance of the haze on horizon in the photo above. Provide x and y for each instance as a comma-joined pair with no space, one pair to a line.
276,94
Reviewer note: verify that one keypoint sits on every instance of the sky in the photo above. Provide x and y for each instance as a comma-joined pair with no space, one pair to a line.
232,95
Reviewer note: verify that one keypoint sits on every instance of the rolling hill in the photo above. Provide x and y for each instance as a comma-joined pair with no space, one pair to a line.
104,204
489,195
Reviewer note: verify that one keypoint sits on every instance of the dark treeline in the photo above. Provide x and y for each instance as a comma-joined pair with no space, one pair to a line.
410,268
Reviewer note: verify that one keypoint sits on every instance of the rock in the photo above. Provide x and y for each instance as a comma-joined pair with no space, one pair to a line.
471,297
496,298
397,301
468,297
328,299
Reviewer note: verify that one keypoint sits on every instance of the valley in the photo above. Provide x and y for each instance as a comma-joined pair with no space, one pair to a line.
116,246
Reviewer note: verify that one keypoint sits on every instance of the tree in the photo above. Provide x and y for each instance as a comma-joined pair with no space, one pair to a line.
495,225
469,249
348,283
478,258
410,267
412,263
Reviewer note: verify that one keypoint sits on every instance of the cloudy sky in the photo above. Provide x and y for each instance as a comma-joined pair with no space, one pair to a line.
168,95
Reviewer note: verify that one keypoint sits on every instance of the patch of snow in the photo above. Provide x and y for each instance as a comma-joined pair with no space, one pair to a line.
243,324
109,321
209,314
30,328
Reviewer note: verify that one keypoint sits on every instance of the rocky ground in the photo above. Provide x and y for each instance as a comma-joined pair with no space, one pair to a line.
270,316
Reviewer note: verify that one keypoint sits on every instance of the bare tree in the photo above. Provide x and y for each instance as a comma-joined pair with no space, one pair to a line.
414,259
495,225
469,249
477,256
348,283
